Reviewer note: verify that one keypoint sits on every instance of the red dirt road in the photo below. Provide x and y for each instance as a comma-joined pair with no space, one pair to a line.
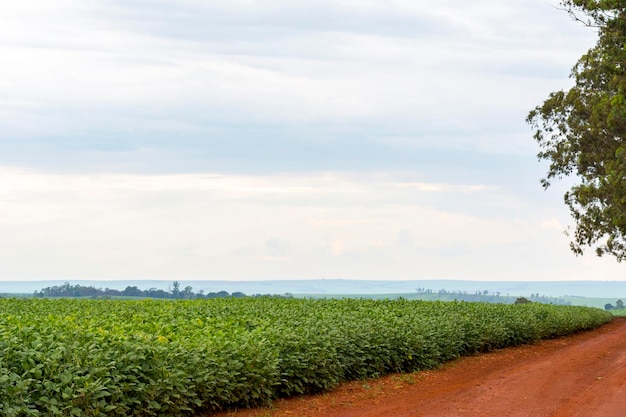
578,376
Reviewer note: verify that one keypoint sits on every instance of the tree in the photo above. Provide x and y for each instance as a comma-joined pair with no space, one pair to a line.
522,300
608,306
176,289
619,305
582,132
187,292
132,292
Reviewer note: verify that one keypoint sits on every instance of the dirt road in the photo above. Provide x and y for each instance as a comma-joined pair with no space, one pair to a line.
578,376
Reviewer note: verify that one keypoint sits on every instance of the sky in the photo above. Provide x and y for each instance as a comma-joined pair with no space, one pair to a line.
250,140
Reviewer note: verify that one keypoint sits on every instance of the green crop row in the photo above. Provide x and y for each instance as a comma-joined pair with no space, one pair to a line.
157,358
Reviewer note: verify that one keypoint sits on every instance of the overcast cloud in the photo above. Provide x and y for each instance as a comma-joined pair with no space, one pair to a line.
261,140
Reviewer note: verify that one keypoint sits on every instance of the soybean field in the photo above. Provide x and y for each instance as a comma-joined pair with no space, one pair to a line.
79,357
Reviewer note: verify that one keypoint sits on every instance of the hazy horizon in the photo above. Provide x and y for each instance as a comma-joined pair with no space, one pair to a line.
603,289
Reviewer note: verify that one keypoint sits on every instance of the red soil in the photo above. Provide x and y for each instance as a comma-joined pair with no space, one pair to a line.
583,375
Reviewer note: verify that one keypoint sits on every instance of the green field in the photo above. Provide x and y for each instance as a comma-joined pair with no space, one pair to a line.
450,296
77,357
489,298
590,301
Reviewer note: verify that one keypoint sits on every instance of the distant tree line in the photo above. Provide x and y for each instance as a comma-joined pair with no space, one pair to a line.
176,293
487,297
619,305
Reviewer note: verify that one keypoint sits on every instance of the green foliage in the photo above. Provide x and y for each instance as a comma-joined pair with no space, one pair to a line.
77,357
581,132
619,312
77,290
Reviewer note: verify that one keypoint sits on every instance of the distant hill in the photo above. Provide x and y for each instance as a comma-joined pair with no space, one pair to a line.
593,289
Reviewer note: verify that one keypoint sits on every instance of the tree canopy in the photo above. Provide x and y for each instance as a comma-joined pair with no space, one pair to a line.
582,132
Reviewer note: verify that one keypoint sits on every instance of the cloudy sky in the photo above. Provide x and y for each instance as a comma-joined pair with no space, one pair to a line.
243,139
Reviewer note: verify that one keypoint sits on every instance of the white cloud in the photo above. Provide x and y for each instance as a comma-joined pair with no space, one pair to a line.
552,224
122,69
282,226
384,138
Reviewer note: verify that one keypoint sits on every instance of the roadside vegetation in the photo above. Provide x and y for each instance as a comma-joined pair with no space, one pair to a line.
618,309
81,357
581,132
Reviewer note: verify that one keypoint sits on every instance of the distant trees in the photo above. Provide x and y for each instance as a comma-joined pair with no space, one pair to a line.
176,289
132,292
522,300
187,292
68,290
619,305
486,296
